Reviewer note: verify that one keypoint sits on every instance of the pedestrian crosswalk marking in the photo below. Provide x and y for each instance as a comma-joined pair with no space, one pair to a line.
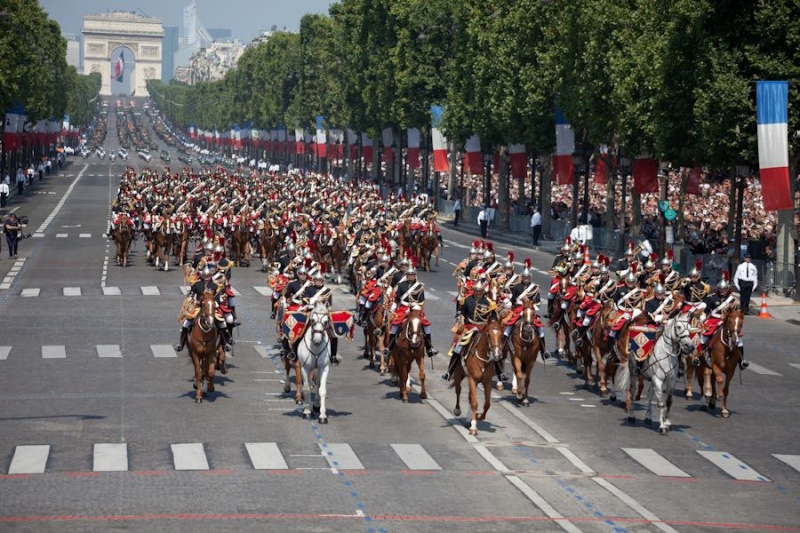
54,352
341,456
163,350
150,291
29,459
264,352
654,462
190,456
415,457
758,369
110,457
185,290
30,293
85,235
111,291
453,293
791,460
109,350
62,235
266,456
263,291
4,351
72,291
796,365
432,297
732,466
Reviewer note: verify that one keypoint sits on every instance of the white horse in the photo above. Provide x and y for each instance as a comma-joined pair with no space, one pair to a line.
313,353
661,368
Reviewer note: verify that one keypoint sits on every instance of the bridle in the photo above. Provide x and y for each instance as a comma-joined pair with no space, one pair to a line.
411,332
527,331
319,335
205,320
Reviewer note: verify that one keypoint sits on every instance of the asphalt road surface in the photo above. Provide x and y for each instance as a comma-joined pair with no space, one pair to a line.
100,431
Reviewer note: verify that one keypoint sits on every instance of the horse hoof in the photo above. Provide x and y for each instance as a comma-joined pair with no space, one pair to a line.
725,413
287,388
306,416
383,371
210,387
526,402
198,400
372,364
423,395
520,397
298,402
473,431
613,397
457,411
323,420
648,422
631,420
513,391
405,400
499,385
481,416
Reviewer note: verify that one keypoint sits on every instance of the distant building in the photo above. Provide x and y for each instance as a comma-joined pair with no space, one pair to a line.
168,50
220,34
214,62
74,52
194,37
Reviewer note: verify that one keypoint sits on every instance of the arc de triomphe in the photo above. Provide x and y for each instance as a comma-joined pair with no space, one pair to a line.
125,48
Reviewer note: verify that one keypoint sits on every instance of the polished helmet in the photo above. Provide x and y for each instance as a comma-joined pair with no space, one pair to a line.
410,271
207,273
724,284
290,247
660,290
318,276
479,287
219,249
631,279
385,258
302,271
697,270
209,247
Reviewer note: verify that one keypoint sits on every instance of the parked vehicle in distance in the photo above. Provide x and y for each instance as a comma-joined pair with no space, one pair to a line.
145,155
165,156
122,153
101,152
185,158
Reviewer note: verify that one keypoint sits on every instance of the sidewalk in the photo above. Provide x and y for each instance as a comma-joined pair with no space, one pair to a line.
781,308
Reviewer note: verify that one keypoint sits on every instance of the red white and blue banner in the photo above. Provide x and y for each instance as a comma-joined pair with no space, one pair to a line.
474,157
387,136
321,138
119,68
772,117
518,159
440,163
565,145
412,154
366,148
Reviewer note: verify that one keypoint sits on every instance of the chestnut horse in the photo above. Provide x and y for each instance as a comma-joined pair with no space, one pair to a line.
429,246
526,347
725,357
203,346
123,237
563,318
409,347
376,328
477,366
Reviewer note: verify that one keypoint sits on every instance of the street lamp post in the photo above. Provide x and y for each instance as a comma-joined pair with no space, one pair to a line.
487,179
577,159
663,180
624,169
741,184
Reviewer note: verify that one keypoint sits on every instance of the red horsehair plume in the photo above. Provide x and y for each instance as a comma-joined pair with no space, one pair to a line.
568,241
726,275
409,254
414,262
670,255
310,245
490,247
653,257
606,261
662,278
527,263
510,257
307,262
293,236
634,267
323,267
698,265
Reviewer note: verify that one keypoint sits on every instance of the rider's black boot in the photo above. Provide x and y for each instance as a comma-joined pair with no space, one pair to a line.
227,339
360,316
637,369
543,349
451,367
549,308
272,311
498,370
429,346
235,318
389,344
742,363
335,359
184,338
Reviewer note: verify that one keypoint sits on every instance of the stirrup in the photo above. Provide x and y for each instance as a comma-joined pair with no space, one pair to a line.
336,359
446,376
743,364
178,347
227,347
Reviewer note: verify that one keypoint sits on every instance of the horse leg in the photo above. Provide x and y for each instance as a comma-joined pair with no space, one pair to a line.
651,391
423,394
707,383
601,370
457,377
322,392
473,404
630,395
298,383
487,398
221,366
728,375
688,376
307,391
287,387
529,370
402,376
666,421
198,379
210,370
516,382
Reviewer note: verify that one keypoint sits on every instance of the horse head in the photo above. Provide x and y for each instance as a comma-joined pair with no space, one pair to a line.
678,332
320,319
527,322
733,323
208,307
413,331
493,333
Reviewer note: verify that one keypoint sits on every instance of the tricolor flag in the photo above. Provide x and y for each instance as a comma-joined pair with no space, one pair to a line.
473,149
565,145
366,147
518,158
601,166
440,163
300,141
772,113
119,68
387,137
321,139
352,139
412,156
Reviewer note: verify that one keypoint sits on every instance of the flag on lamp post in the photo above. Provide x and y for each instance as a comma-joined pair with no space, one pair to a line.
518,158
440,163
412,155
321,139
352,139
772,114
474,158
565,145
366,148
387,137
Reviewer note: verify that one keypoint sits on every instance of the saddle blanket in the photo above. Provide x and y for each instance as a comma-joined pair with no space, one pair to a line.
294,325
642,340
343,324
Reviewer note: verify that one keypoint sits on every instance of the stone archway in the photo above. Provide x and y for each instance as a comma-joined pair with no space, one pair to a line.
122,74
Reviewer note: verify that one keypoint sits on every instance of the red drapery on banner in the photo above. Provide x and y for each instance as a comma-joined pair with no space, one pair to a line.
563,168
693,184
366,148
474,157
645,175
412,154
601,171
519,161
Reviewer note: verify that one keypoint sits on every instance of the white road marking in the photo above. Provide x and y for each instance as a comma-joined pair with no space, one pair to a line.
85,235
415,457
190,456
30,293
61,202
263,291
633,504
453,293
654,462
264,352
266,456
758,369
72,291
457,244
150,290
62,235
5,286
542,504
4,351
163,350
732,466
29,459
796,365
109,350
340,456
38,235
496,463
791,460
185,290
575,460
54,352
110,457
111,291
236,292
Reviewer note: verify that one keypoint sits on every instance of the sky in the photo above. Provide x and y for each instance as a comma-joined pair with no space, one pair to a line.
245,18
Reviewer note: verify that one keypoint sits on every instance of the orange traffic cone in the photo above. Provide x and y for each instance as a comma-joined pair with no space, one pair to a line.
586,259
764,313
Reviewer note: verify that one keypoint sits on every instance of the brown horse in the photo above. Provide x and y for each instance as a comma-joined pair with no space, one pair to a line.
409,347
123,238
338,253
525,341
376,329
563,318
477,366
182,232
160,243
615,367
725,357
267,242
240,243
429,246
203,345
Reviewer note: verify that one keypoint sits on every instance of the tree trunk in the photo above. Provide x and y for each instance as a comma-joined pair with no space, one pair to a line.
546,194
503,200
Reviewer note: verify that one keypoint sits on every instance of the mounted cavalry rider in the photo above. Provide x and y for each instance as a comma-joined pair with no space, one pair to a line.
629,301
191,308
520,293
371,294
564,253
409,293
716,305
559,272
672,278
472,315
587,311
694,290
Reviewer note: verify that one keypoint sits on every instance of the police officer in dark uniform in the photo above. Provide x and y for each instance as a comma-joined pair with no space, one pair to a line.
472,312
